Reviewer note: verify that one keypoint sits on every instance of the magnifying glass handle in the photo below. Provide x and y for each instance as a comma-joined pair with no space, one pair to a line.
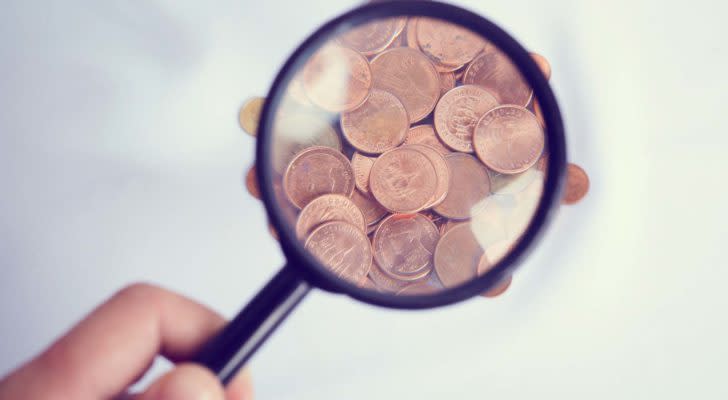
227,352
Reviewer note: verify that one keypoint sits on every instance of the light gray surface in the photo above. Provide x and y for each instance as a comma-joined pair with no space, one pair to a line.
121,160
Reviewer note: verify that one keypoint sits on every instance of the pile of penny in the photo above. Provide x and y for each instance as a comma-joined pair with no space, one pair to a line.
409,155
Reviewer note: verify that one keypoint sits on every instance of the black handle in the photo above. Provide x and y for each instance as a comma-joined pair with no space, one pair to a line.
227,352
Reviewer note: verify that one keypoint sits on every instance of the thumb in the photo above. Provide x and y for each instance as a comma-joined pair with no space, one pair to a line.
185,382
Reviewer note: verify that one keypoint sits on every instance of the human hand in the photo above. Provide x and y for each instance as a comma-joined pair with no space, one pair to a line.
116,344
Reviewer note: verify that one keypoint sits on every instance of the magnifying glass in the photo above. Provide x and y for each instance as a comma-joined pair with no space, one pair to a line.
409,155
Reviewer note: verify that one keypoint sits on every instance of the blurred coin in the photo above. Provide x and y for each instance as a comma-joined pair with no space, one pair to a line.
403,180
499,288
577,184
403,246
378,125
342,248
327,208
337,79
317,171
425,134
441,169
457,114
505,184
494,71
297,131
373,37
495,252
373,212
447,82
508,139
384,282
362,167
469,184
249,115
543,65
251,182
448,45
457,256
409,75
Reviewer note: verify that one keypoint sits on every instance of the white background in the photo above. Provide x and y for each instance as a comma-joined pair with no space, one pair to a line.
121,160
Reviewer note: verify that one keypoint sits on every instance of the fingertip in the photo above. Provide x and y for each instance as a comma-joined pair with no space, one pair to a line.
241,387
185,382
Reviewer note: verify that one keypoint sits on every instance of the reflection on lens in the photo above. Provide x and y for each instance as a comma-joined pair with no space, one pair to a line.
405,158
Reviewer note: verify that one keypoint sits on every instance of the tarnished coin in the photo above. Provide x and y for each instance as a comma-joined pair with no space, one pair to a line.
448,45
403,180
418,289
362,167
342,248
378,125
425,134
447,82
457,113
577,184
297,131
403,246
251,183
373,212
373,37
384,282
249,115
508,139
337,78
409,75
317,171
327,208
457,256
494,71
469,185
441,169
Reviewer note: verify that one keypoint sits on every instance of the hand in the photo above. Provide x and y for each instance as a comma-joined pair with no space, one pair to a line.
115,345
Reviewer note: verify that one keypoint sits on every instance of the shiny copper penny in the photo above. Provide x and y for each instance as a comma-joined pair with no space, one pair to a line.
418,289
442,170
362,167
317,171
457,256
447,82
543,64
509,139
373,37
500,288
343,249
327,208
384,282
297,131
457,113
448,45
494,71
249,115
425,134
337,78
378,125
403,246
251,183
577,184
409,75
469,185
373,212
403,180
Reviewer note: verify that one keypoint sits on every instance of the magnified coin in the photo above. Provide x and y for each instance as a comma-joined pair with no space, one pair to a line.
403,246
362,168
494,71
457,114
384,282
425,134
373,212
449,46
457,256
327,208
289,139
447,82
342,248
469,185
378,125
442,170
317,171
373,37
403,180
337,78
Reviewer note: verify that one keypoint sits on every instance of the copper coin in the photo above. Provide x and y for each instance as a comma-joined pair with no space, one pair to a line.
249,115
448,45
538,113
317,171
403,246
577,184
441,169
509,139
411,33
457,256
469,185
337,78
494,71
543,64
251,182
384,282
343,249
403,180
449,224
362,167
378,125
447,82
297,131
418,289
373,37
457,113
409,75
499,288
373,212
425,134
327,208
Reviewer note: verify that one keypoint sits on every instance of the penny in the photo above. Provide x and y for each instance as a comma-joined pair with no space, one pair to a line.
508,139
384,282
543,162
457,113
297,131
327,208
409,75
447,82
251,183
403,180
317,171
425,134
362,167
343,249
469,185
457,256
543,64
411,33
494,71
372,211
499,288
249,115
378,125
442,171
577,184
403,246
337,79
418,289
448,45
373,37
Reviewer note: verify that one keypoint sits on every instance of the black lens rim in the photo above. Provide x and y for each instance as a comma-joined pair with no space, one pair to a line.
305,264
